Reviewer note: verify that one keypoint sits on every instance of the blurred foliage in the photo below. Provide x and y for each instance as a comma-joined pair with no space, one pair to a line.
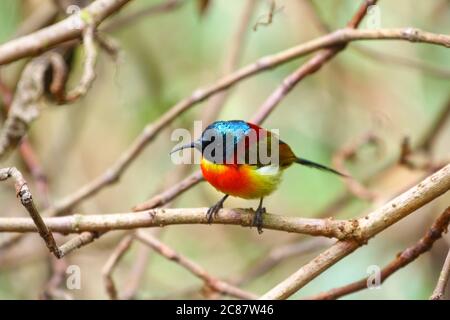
167,56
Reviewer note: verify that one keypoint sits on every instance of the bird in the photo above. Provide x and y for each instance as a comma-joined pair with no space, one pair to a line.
244,160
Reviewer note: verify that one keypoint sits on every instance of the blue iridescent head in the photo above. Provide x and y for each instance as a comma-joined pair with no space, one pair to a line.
219,140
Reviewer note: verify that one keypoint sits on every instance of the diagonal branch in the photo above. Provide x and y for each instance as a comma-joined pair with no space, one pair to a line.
438,293
24,194
197,270
122,248
403,258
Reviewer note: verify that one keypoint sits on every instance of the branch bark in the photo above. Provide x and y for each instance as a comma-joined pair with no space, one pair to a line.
24,194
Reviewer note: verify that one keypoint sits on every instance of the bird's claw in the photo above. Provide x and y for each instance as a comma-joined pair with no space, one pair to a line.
213,211
258,219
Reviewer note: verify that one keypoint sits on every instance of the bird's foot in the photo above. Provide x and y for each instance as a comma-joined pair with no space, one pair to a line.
213,211
258,219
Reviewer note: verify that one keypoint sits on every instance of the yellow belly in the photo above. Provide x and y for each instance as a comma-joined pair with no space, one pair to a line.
244,181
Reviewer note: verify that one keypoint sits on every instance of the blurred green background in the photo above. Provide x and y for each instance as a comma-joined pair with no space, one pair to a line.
163,59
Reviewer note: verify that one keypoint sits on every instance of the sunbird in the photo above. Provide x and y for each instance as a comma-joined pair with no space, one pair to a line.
241,159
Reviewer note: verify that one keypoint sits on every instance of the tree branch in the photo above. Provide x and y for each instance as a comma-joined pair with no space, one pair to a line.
341,229
24,194
197,270
122,248
67,29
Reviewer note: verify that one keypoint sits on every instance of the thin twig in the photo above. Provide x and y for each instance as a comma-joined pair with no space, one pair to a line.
25,104
27,152
133,17
280,254
197,270
430,69
88,76
24,194
122,248
169,194
439,291
436,129
136,273
53,288
79,241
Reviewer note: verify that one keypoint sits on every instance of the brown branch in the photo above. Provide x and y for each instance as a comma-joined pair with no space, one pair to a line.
159,217
436,71
24,106
171,193
403,258
427,68
438,293
122,248
24,194
79,241
68,29
197,270
27,152
279,254
41,16
137,15
136,273
368,226
88,76
53,288
435,131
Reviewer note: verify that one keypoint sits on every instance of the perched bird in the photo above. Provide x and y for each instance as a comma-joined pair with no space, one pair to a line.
243,160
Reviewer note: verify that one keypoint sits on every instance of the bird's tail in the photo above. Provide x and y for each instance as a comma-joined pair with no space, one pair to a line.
317,166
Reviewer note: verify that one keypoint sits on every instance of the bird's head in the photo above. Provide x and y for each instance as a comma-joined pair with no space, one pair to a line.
219,140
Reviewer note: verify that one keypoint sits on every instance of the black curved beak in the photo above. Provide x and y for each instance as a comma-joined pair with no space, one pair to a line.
192,144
